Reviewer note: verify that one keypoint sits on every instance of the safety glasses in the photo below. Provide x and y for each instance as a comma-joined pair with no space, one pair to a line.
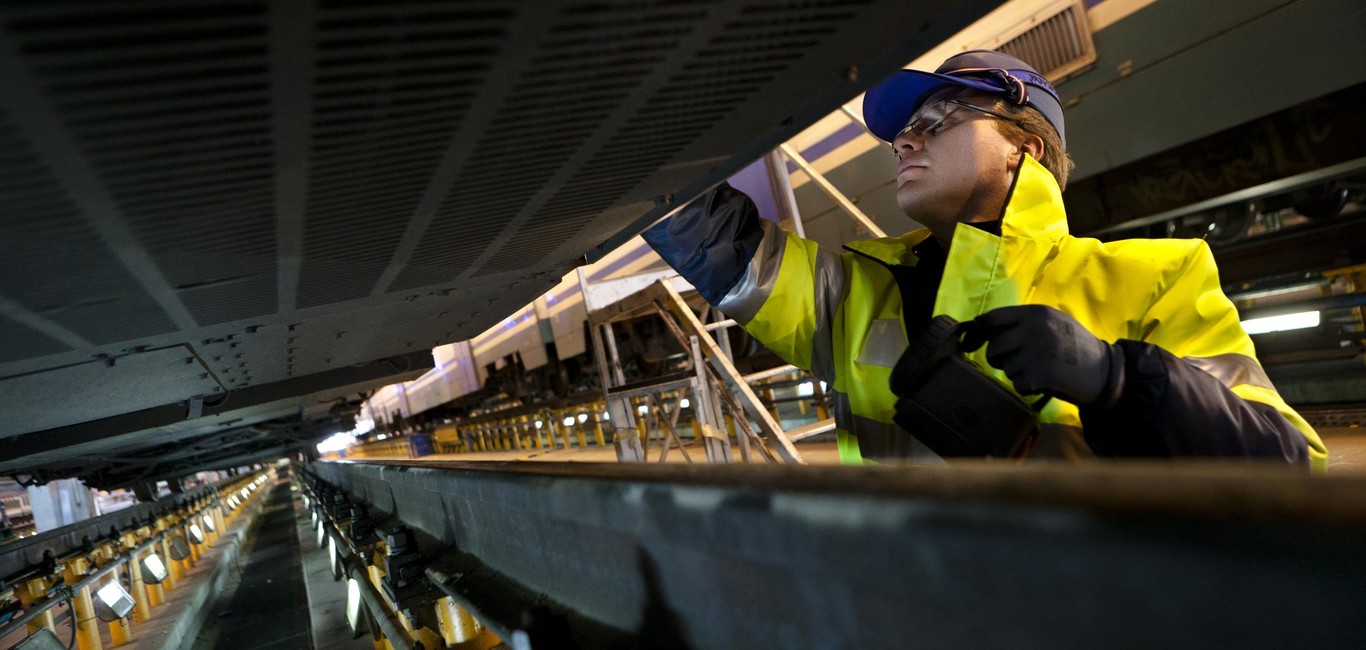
925,125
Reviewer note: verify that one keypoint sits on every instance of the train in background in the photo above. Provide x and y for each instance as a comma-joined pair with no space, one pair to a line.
1275,181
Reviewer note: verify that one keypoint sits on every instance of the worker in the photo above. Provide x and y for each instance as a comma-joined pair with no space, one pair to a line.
1134,341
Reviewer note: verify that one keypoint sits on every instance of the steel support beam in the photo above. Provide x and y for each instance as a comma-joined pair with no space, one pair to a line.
42,447
974,555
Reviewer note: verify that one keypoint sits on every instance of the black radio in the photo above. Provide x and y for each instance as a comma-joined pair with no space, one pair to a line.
951,406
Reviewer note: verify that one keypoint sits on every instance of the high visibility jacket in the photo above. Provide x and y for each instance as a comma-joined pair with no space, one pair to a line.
1190,364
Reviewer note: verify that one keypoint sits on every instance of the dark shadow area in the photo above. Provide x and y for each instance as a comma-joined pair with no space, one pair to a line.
269,607
659,624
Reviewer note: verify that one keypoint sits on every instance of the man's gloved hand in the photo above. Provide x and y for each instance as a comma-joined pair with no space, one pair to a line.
1043,350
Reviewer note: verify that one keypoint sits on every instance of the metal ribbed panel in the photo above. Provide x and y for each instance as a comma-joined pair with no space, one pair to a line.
393,84
1058,46
244,181
170,105
731,69
591,60
18,342
79,284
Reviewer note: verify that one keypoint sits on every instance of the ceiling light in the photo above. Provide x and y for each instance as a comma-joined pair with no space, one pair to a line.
1284,322
208,523
196,534
684,403
583,417
569,421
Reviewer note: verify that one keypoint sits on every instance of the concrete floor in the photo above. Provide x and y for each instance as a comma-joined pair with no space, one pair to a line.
267,607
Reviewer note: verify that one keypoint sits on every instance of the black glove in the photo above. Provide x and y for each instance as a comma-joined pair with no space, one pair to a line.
1043,350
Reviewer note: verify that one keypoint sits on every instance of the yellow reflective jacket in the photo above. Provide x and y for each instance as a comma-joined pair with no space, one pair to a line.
840,314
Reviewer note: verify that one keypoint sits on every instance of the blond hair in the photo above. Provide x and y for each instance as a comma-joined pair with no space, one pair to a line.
1026,121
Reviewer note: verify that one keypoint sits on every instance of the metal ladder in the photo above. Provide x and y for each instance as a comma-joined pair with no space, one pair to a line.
717,386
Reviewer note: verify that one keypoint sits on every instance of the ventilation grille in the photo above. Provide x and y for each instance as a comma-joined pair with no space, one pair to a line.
590,60
764,40
18,343
74,284
393,84
1059,44
136,86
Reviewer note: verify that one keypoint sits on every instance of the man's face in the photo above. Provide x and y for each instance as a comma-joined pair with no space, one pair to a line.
960,172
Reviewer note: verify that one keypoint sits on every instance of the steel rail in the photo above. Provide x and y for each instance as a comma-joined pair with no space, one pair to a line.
398,637
976,554
354,567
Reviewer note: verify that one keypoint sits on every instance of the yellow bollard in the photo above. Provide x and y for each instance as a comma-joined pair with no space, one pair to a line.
155,594
142,609
172,566
530,426
32,592
119,631
641,426
87,628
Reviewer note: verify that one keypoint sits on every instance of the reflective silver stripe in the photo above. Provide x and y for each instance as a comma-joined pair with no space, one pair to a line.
748,295
743,300
880,441
1233,369
1060,441
884,345
829,287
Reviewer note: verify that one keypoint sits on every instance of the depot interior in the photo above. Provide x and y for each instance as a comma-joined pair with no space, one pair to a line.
256,250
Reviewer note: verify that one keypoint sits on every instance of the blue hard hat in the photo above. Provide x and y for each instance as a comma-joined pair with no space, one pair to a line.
890,105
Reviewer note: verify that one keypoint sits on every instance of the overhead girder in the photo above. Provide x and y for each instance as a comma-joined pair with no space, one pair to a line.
50,450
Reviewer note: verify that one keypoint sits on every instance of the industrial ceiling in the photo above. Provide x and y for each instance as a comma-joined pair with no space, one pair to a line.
221,222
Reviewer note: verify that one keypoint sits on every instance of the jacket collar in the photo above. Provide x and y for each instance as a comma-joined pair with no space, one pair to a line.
1033,210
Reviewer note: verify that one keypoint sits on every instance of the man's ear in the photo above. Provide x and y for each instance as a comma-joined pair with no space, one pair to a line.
1034,145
